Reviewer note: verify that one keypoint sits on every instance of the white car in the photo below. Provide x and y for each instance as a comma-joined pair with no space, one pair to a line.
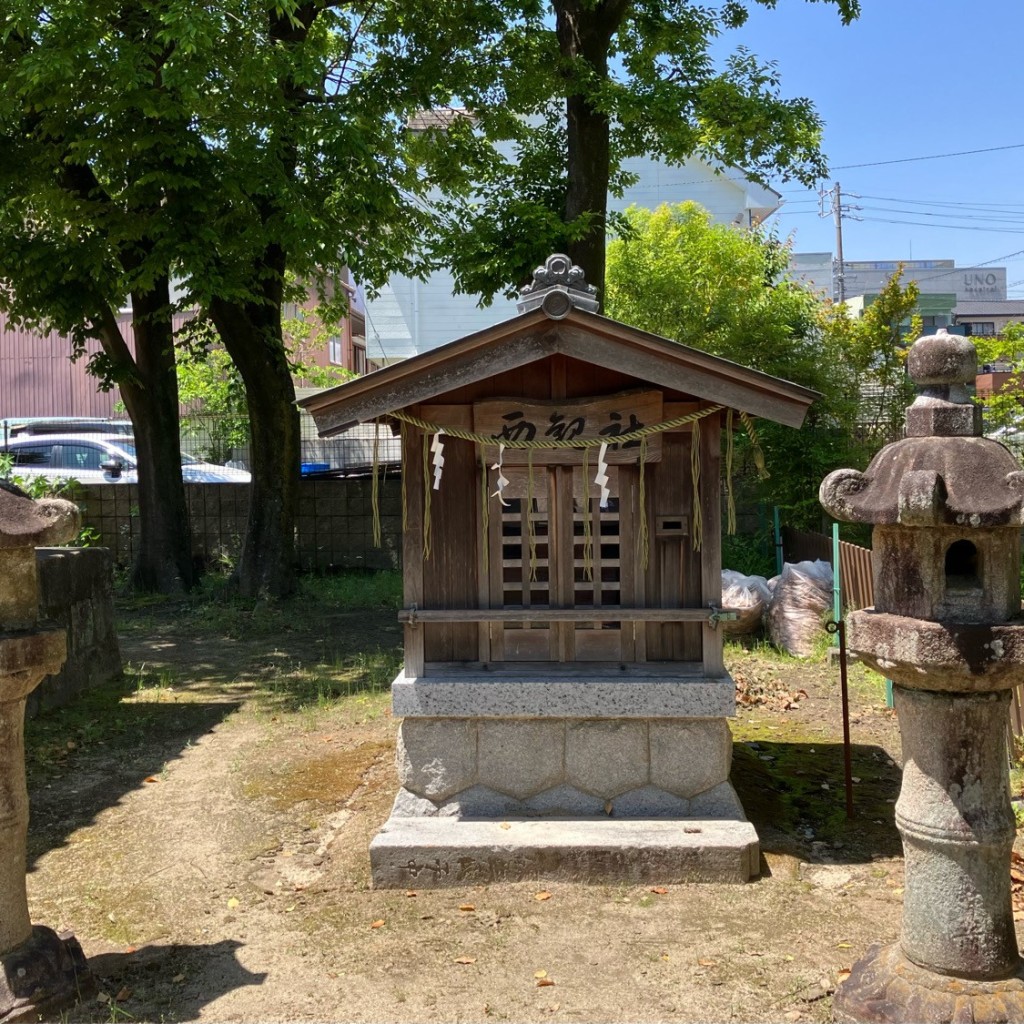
101,459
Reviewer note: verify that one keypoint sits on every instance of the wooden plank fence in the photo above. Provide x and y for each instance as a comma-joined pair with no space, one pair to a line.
856,586
856,590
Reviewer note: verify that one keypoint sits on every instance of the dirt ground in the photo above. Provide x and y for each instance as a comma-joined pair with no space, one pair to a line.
202,827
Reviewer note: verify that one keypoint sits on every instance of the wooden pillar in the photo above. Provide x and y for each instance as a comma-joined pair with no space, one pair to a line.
711,537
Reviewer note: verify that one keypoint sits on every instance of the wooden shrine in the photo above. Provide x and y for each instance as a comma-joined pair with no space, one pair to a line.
564,698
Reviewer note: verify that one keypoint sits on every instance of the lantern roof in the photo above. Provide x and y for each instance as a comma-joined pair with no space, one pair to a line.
27,523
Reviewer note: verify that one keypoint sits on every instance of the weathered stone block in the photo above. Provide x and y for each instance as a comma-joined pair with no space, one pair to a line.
435,853
520,757
720,801
606,758
650,802
409,805
481,802
436,756
565,801
690,756
76,591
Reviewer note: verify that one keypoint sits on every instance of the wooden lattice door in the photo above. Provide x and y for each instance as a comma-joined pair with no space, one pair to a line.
553,546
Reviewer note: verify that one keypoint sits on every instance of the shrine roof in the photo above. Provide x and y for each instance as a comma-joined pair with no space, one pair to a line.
578,334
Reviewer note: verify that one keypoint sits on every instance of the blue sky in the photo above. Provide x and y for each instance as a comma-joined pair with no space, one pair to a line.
910,78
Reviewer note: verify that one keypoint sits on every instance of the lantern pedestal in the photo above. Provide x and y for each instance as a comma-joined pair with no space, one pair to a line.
44,974
888,987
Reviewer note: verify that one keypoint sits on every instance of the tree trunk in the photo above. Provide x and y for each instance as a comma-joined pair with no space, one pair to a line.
251,333
584,32
149,387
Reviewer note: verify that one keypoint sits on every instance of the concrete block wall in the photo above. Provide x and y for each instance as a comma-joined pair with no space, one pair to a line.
334,525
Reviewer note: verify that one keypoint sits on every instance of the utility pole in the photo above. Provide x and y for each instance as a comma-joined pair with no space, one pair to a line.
837,210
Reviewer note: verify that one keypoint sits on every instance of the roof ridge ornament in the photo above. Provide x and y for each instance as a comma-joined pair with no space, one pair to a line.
558,287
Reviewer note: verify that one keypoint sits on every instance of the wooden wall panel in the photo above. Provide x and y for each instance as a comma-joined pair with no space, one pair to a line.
673,573
450,573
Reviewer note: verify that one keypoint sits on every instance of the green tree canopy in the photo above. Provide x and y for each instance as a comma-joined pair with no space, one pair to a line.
1003,409
571,88
229,148
676,273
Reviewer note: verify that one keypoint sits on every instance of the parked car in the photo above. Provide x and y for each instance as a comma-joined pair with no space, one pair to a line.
20,427
96,459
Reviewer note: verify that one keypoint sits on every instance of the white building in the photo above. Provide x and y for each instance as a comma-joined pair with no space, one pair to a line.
412,316
867,278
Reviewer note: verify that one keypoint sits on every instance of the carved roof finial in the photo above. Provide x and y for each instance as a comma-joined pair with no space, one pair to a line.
942,365
558,287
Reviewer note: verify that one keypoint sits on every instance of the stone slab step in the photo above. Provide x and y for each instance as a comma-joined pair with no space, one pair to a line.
433,853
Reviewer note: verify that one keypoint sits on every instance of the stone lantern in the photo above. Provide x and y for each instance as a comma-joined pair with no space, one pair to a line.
947,506
40,971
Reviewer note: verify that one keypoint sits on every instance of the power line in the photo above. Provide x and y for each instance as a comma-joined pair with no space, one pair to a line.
934,156
947,227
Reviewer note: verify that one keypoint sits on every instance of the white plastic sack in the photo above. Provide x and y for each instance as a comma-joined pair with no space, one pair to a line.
800,598
748,596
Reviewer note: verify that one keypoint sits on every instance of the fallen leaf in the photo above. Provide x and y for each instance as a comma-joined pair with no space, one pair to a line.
660,890
844,945
233,902
542,895
151,778
379,923
664,956
544,982
124,994
467,907
102,997
843,974
131,949
411,892
465,960
504,824
540,974
704,962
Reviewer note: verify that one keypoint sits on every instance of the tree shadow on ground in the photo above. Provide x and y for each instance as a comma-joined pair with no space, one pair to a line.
83,758
173,982
794,794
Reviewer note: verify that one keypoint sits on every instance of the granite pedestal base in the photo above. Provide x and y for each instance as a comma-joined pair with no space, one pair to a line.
887,988
432,853
602,779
